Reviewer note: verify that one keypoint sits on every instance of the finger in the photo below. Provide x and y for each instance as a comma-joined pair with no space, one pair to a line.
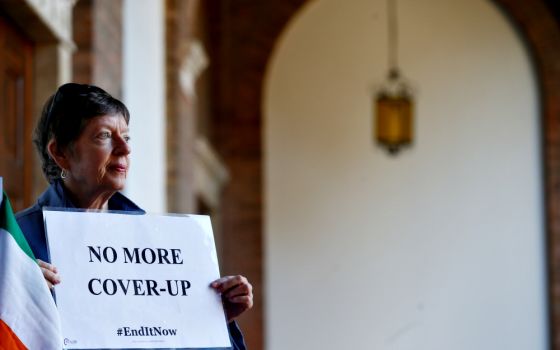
229,281
243,299
225,283
48,266
241,289
49,284
219,281
50,276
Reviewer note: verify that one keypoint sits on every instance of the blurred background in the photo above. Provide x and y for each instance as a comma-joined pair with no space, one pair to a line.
262,115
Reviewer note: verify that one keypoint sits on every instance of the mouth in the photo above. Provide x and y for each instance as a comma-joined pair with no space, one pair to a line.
119,168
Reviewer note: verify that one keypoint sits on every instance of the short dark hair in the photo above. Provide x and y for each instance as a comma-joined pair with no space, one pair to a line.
65,115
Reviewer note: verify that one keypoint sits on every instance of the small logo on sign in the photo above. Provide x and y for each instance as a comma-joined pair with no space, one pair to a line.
69,341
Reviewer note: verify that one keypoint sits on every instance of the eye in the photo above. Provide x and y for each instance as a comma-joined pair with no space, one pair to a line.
126,138
104,135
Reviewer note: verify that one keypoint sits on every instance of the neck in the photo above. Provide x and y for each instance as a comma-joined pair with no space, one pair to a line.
84,199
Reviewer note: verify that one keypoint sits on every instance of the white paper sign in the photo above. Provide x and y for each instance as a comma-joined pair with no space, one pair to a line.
136,281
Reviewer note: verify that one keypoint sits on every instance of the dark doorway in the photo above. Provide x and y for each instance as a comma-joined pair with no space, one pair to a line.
16,62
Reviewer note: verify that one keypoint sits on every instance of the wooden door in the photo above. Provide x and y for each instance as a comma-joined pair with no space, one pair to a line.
15,113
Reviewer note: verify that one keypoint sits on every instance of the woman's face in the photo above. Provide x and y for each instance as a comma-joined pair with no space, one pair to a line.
98,160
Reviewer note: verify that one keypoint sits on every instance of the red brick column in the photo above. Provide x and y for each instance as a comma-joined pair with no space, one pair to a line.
181,118
242,34
97,31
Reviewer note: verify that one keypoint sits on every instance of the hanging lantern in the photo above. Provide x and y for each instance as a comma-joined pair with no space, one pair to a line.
394,125
393,112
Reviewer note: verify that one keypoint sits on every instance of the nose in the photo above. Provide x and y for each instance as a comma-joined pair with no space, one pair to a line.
120,146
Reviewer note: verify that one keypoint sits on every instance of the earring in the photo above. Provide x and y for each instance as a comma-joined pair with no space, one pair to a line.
63,174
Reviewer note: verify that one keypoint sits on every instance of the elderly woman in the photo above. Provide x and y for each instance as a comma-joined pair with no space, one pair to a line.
82,140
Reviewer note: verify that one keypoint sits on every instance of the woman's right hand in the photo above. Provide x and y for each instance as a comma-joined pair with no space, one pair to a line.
50,272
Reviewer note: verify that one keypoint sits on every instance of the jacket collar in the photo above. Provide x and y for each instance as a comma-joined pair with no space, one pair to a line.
56,196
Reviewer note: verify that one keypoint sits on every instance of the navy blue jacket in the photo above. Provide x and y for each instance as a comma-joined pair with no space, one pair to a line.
30,221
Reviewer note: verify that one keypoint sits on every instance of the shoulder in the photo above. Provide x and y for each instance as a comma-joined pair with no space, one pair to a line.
29,215
28,212
30,220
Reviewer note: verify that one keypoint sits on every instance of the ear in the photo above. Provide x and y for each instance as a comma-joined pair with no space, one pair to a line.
59,156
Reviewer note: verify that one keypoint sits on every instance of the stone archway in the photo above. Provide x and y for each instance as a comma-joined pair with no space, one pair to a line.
242,39
541,31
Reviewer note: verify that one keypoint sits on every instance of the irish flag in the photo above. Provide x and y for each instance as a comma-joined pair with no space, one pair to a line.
28,315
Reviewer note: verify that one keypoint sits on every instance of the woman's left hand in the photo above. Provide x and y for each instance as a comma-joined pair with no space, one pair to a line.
237,295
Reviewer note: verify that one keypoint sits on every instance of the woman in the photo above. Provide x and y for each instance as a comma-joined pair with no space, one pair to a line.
82,140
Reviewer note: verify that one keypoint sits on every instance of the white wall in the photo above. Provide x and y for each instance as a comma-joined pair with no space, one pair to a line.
439,248
144,95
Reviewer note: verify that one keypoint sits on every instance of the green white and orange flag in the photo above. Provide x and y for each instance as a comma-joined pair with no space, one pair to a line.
28,315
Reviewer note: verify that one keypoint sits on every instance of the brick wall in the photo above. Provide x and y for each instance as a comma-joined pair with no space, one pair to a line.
97,30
